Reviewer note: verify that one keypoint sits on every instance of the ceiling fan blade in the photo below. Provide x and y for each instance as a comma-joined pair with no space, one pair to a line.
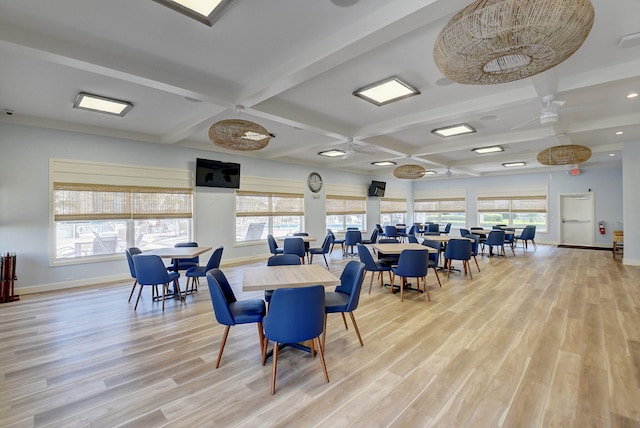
523,124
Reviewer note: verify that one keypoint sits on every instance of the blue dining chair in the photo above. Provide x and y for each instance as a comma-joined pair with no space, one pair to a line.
495,239
446,230
345,298
373,239
306,244
273,245
351,239
370,265
295,246
412,239
130,252
434,258
150,270
475,247
326,246
412,264
194,273
528,234
391,232
280,260
458,249
336,241
184,264
229,311
295,315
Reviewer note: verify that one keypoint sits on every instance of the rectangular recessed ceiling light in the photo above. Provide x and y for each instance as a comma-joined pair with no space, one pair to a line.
383,163
334,153
205,11
512,164
430,172
100,104
386,91
450,131
485,150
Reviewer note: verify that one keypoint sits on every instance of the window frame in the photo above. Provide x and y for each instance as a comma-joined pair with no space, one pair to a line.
270,213
355,206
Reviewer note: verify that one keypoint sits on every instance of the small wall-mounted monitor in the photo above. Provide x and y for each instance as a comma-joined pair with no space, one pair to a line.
213,173
377,188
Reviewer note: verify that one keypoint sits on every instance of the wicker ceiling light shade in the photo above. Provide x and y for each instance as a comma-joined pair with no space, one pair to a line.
237,134
564,155
497,41
409,172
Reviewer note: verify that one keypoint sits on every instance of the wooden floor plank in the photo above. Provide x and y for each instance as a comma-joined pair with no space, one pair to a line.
544,338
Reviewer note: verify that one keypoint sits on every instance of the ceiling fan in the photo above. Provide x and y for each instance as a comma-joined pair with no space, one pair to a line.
549,113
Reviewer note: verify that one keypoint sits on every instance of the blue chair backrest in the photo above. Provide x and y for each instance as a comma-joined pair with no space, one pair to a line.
509,237
458,249
447,228
150,270
301,234
496,237
221,296
388,241
412,263
284,260
433,227
352,237
294,246
273,245
326,244
528,232
474,244
412,230
186,263
390,232
412,239
295,314
130,253
464,232
435,257
366,258
215,259
351,282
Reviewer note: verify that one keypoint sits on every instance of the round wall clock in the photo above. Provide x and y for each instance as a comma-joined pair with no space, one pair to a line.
314,181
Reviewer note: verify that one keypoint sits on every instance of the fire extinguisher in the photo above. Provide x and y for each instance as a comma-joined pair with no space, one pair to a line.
601,227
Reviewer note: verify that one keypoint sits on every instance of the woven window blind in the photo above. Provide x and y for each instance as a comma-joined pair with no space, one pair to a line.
446,205
388,205
523,204
82,201
342,205
251,204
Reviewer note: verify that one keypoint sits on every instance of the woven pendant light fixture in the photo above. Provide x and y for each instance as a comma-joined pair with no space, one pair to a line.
238,134
497,41
409,172
564,155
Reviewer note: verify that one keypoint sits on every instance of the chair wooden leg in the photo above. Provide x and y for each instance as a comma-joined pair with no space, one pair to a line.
311,259
324,365
402,284
224,340
468,266
265,344
139,294
371,283
324,330
275,367
435,270
426,289
260,334
344,319
449,268
163,293
325,260
136,281
476,260
355,327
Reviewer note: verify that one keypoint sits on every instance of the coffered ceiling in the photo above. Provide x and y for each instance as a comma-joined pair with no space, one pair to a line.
294,64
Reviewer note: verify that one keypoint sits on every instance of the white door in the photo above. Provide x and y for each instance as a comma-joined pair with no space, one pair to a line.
576,216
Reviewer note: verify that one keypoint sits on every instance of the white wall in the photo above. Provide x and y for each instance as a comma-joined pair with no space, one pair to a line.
631,182
24,198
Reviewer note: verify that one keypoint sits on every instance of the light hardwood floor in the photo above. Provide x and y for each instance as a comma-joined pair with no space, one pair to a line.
545,338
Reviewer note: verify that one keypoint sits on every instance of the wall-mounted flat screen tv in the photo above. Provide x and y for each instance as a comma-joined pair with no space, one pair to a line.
377,188
213,173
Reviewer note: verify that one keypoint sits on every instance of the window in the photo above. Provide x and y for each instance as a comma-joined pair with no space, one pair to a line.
345,211
261,213
441,210
393,211
96,219
97,213
516,207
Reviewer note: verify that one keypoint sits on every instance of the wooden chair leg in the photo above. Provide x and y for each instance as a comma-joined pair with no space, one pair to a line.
476,260
324,331
163,293
139,294
344,319
355,327
426,289
265,344
224,340
136,281
435,270
371,283
324,365
325,260
275,367
469,268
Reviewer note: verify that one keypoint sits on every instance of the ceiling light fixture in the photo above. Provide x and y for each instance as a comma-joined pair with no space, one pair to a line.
102,104
205,11
409,172
386,91
430,172
489,149
238,134
611,155
383,163
564,155
333,153
513,164
619,132
632,95
453,130
497,41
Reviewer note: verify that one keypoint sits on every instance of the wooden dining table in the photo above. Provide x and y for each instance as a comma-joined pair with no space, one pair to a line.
257,278
177,253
